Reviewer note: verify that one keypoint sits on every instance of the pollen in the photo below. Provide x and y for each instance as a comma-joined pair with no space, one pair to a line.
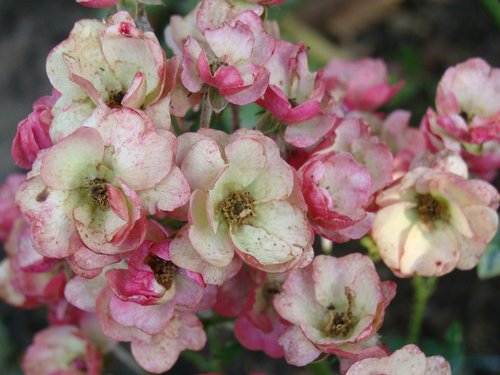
164,270
238,209
340,324
98,192
431,209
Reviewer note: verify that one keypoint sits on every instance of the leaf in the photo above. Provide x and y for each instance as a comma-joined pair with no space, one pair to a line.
489,264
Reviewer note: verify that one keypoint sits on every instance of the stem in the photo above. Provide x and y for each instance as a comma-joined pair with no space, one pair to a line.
423,289
206,113
263,121
124,356
235,116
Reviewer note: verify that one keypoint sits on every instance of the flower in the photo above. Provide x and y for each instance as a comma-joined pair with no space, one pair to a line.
407,360
230,58
243,201
33,132
337,191
432,221
361,85
61,349
94,186
156,352
336,306
98,3
108,65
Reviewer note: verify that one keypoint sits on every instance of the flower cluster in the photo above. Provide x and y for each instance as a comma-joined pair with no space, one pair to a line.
133,223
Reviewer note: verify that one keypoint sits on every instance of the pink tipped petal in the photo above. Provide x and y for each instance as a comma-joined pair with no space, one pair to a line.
51,223
68,163
185,256
299,351
184,331
170,193
215,248
136,93
149,319
190,76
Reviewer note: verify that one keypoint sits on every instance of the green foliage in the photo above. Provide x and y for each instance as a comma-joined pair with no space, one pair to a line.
493,9
489,265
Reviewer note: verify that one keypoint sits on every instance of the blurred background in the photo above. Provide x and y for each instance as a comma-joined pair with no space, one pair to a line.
418,39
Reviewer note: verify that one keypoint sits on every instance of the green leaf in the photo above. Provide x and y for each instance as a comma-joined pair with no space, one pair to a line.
489,264
493,9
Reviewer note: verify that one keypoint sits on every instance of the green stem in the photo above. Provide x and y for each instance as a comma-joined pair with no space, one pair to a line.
206,112
423,289
235,116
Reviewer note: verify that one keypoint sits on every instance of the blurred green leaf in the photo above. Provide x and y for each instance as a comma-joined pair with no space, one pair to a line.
493,9
453,347
489,264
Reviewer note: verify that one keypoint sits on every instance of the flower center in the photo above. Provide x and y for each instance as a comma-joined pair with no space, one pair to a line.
115,99
98,192
238,208
164,270
340,324
431,209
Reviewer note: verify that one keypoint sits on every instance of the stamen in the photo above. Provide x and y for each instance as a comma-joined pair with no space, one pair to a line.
431,209
164,270
238,208
98,192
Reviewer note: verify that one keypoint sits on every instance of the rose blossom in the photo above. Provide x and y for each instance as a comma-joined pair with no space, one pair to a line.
243,201
108,65
156,352
62,350
407,360
432,221
230,58
98,3
33,132
336,305
89,188
9,212
361,85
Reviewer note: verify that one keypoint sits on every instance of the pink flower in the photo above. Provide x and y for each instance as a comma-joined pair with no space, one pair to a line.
337,191
406,360
9,212
33,132
61,350
259,326
467,102
294,94
154,352
29,289
404,141
98,3
468,116
230,58
94,186
361,85
152,277
243,201
336,306
432,221
108,65
268,2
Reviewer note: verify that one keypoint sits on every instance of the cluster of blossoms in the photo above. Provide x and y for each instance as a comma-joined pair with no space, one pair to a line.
129,227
